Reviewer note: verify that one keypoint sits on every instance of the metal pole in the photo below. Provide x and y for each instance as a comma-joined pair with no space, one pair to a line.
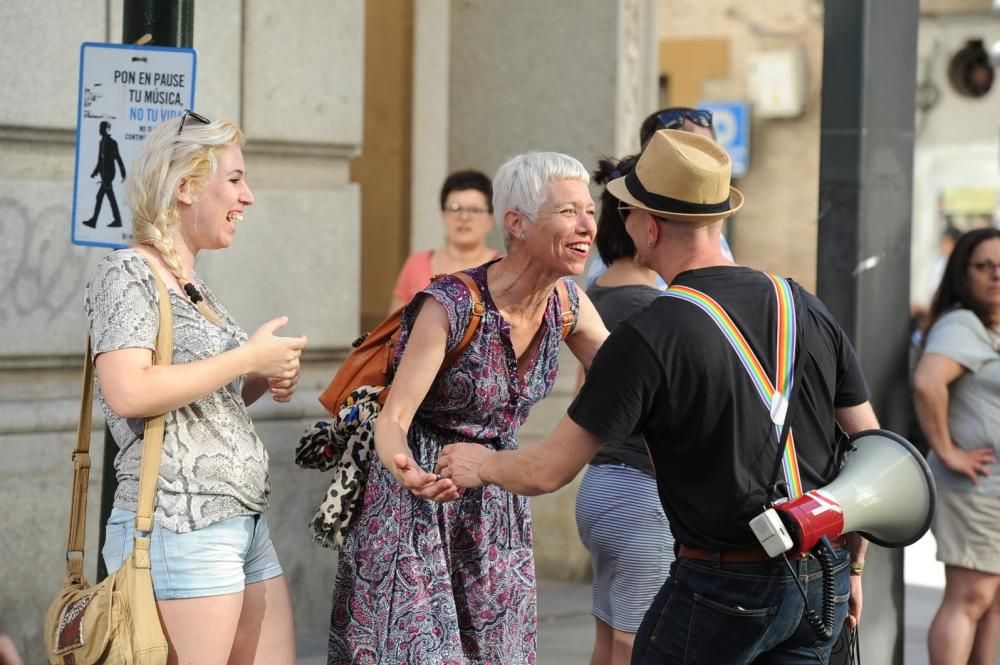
168,23
863,266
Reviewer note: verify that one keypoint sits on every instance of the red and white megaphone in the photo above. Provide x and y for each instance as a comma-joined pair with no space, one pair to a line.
885,491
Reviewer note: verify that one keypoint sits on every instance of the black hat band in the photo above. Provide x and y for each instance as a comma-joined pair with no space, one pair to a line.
668,204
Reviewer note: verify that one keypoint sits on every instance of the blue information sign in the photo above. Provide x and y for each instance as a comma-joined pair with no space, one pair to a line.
732,130
125,91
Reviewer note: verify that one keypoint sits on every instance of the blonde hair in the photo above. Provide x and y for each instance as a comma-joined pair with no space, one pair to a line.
165,159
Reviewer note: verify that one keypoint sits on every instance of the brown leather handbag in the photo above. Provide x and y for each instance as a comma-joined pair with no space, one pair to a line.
369,364
354,398
114,622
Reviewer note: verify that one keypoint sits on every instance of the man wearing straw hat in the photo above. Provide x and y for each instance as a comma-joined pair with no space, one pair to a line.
681,373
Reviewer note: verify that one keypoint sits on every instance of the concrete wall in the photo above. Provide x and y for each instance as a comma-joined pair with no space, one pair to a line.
956,137
548,76
776,230
300,101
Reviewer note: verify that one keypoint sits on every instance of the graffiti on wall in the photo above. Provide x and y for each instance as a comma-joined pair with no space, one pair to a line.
41,273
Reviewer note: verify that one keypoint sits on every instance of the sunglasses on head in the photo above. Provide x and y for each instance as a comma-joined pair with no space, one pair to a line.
188,113
674,118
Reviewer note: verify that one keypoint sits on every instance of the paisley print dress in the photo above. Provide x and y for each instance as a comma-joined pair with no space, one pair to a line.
426,583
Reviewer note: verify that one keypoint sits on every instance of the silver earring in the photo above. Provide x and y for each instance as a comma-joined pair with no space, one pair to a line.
650,243
524,236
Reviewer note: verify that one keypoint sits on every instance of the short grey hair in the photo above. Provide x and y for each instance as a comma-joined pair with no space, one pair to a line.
520,183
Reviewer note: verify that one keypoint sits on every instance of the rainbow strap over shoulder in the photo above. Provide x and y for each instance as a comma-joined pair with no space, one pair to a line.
774,395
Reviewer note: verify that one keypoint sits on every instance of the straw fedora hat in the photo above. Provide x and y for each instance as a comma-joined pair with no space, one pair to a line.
681,176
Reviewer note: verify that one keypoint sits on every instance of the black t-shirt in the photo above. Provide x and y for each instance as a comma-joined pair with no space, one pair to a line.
615,304
669,373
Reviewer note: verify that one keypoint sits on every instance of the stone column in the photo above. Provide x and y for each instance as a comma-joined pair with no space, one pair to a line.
431,95
550,76
863,266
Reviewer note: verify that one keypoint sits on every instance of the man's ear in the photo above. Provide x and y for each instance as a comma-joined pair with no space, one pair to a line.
652,230
184,192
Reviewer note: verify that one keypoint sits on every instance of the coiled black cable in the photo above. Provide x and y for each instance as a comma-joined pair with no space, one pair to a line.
824,627
823,551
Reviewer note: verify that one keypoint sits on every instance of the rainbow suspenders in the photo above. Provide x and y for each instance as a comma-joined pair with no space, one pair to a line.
776,394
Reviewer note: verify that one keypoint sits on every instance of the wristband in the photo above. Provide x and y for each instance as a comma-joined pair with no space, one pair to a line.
857,567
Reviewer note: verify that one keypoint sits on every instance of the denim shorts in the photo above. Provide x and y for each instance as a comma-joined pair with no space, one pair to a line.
219,559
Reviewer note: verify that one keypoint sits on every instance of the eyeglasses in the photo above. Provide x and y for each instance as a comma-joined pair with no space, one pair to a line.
624,209
985,266
674,118
455,209
188,113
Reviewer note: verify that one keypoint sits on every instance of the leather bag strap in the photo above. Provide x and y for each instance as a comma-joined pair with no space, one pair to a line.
81,474
153,439
478,310
565,308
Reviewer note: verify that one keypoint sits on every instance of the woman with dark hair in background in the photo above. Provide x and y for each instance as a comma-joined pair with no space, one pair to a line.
618,511
467,215
957,397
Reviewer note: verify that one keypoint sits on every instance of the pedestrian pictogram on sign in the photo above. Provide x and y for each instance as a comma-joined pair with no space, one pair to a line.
124,92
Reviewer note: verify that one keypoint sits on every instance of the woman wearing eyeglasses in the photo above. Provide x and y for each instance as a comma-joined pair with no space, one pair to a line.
957,396
219,588
467,214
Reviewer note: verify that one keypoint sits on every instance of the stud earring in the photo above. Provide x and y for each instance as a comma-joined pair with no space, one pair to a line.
650,243
524,236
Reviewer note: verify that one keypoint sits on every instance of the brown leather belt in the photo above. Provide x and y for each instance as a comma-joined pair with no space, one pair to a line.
740,556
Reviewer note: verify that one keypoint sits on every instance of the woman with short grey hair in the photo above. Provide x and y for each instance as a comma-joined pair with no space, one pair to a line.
520,183
424,577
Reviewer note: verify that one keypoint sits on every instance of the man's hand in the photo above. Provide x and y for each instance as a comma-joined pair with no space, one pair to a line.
854,605
462,462
420,483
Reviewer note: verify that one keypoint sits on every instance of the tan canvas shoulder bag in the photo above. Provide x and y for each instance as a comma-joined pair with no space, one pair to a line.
114,622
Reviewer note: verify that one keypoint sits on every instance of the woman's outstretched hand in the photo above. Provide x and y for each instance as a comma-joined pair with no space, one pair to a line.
421,483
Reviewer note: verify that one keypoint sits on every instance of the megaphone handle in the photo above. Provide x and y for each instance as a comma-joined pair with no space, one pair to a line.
825,543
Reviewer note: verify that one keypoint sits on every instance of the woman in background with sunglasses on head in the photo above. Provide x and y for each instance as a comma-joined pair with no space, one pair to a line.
696,121
467,215
957,396
219,588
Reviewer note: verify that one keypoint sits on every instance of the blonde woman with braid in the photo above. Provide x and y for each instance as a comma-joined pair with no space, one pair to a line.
219,587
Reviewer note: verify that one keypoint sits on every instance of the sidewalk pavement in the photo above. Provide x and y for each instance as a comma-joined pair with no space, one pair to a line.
566,628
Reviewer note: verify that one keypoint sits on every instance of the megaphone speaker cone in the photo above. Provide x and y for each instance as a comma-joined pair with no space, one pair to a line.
885,491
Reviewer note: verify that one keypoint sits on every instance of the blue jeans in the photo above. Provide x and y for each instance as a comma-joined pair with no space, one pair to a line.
736,613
